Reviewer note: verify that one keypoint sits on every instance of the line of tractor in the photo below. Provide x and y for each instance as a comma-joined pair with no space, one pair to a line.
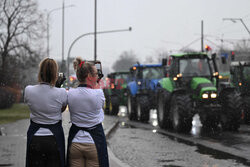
180,87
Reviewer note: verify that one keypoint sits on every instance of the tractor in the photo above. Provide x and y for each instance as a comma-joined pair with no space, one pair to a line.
240,78
192,86
115,92
142,90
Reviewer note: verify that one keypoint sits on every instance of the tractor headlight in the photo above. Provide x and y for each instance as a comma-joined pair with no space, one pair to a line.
175,78
139,82
179,75
205,96
220,76
213,95
215,74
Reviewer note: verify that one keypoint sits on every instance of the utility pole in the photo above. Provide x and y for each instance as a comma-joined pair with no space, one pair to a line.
202,37
63,31
95,31
63,65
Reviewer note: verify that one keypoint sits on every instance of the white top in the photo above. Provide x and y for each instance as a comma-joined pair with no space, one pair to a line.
85,107
45,103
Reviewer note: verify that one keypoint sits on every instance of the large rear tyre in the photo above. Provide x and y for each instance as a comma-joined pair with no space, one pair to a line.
209,121
232,107
246,112
163,118
114,109
107,106
181,113
142,108
131,108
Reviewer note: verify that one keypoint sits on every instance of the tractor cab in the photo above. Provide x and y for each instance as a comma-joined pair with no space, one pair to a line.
183,68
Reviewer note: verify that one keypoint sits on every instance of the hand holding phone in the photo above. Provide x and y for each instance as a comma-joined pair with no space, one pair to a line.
60,80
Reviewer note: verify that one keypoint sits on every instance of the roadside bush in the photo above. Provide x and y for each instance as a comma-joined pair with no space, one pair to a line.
7,98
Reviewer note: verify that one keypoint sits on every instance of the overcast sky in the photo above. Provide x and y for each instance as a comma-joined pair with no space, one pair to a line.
158,25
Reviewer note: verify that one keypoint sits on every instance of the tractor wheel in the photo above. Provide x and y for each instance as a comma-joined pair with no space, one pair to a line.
115,109
107,106
180,113
131,108
232,106
246,112
142,109
114,105
163,111
209,122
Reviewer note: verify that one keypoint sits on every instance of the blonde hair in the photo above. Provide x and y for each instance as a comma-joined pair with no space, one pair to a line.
48,69
83,68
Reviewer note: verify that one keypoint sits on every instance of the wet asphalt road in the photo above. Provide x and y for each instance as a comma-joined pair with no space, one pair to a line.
146,145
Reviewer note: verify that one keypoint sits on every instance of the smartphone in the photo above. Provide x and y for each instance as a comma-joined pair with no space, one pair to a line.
60,74
98,66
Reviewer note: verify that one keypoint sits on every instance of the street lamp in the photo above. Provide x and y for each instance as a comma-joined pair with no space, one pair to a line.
48,16
239,19
95,40
91,33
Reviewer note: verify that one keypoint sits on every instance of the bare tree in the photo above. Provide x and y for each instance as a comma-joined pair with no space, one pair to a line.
149,59
243,45
21,31
125,61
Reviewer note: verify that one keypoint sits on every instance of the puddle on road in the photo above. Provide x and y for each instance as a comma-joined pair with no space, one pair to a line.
169,161
171,166
221,155
124,125
6,164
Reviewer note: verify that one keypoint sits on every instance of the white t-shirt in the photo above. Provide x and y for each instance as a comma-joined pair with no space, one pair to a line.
85,107
45,103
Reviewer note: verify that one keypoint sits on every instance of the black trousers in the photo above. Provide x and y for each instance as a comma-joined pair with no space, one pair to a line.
43,152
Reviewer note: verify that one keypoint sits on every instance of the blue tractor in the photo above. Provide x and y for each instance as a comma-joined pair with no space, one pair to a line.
142,90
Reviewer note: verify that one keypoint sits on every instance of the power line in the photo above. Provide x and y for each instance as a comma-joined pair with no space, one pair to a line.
212,42
183,48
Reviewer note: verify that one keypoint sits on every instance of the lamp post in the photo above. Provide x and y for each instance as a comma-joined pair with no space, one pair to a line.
95,47
238,19
91,33
48,27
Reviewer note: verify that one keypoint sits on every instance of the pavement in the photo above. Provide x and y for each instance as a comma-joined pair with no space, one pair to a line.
13,140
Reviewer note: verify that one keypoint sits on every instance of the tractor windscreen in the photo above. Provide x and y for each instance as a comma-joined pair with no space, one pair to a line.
246,73
194,67
153,73
123,77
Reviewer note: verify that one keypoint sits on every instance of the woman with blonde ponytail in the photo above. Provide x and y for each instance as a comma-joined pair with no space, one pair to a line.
45,137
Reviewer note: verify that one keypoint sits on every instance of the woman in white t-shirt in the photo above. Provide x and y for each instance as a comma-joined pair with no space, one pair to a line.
86,143
45,137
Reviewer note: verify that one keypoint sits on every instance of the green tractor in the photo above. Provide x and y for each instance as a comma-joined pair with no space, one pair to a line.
115,92
240,78
192,87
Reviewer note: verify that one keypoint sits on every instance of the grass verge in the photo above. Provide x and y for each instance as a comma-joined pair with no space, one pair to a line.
16,112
